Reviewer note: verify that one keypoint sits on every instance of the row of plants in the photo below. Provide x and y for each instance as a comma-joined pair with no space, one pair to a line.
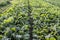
14,24
54,2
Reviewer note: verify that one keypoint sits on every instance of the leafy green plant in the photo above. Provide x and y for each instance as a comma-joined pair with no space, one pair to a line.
46,19
4,3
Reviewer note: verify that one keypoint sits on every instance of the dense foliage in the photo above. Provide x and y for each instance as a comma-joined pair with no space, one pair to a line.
4,5
14,23
54,2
